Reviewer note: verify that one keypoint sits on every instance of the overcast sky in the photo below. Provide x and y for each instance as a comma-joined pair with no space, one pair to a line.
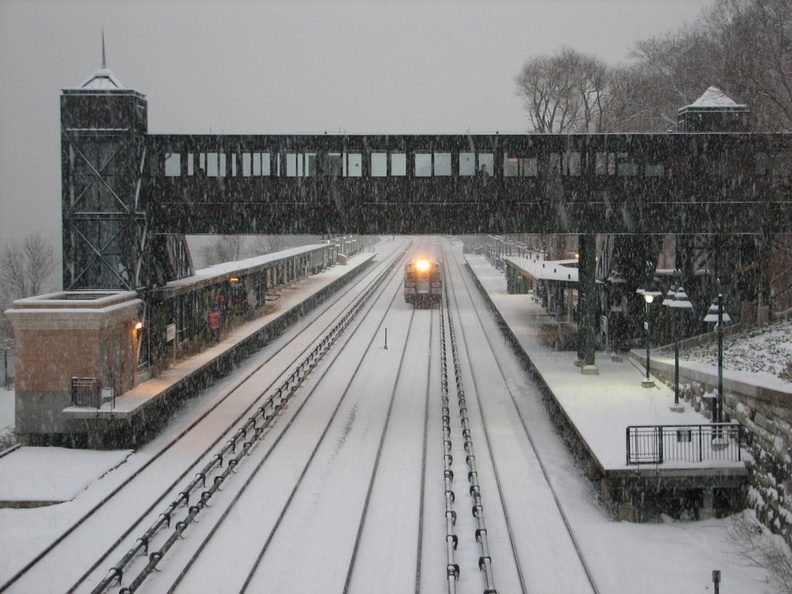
278,66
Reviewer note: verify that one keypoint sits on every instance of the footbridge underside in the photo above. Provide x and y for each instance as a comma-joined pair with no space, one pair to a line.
593,183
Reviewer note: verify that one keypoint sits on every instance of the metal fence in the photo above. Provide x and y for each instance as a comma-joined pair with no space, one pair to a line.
7,367
655,444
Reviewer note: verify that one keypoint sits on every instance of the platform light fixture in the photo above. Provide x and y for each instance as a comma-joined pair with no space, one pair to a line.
649,291
616,283
718,316
677,299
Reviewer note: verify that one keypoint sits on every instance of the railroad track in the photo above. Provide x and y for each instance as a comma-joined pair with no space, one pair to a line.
70,549
519,492
321,432
394,465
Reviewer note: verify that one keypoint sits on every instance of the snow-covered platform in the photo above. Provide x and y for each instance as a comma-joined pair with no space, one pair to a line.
599,408
131,416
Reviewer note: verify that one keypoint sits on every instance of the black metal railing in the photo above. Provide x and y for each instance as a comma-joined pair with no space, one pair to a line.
7,367
655,444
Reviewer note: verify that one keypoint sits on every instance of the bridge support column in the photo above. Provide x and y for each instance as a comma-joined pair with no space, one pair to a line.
587,304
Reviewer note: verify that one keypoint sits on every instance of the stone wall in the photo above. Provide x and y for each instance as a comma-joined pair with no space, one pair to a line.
765,414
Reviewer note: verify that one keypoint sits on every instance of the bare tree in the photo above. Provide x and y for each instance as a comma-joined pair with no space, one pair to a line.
742,46
756,41
565,92
667,72
26,269
225,248
268,244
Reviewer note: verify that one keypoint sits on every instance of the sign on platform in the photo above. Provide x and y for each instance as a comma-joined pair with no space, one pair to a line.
170,333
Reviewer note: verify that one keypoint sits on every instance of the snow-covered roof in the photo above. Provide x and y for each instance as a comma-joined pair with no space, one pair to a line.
714,97
103,79
551,270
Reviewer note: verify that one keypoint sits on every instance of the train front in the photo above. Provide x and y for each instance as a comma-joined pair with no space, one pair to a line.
423,282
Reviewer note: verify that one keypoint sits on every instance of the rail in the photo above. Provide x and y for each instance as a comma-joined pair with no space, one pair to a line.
213,473
656,444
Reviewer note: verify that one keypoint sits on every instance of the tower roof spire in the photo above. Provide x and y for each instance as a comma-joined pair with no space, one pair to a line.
104,58
103,78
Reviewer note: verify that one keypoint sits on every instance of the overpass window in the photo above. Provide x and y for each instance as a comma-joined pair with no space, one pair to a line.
213,163
510,166
398,164
172,164
442,164
255,164
467,164
654,170
553,164
353,164
246,165
423,164
197,164
486,162
209,163
332,166
291,165
626,166
604,163
571,163
300,164
266,167
379,164
530,167
519,166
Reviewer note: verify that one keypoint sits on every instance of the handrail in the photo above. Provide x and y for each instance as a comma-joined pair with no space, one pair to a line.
656,444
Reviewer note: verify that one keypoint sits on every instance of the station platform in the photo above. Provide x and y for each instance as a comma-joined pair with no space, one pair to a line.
120,422
42,476
599,408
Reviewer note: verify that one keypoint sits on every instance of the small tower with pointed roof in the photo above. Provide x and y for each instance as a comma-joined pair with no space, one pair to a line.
103,132
714,111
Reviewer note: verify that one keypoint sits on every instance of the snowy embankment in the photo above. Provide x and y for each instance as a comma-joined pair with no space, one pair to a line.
764,351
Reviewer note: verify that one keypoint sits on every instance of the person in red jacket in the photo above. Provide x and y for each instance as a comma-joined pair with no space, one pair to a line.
215,323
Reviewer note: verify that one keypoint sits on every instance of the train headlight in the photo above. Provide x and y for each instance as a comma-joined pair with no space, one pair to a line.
422,265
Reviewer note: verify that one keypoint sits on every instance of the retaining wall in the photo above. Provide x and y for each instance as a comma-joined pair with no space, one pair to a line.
765,412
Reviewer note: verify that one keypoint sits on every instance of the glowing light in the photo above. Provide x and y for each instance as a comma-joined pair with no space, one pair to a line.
422,265
139,326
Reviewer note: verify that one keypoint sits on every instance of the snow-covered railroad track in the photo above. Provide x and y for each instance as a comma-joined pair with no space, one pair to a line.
531,547
316,500
90,540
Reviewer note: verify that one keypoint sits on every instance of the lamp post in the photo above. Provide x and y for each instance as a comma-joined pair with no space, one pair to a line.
678,300
616,282
649,292
719,317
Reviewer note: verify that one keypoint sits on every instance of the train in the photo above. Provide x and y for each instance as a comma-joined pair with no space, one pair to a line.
423,279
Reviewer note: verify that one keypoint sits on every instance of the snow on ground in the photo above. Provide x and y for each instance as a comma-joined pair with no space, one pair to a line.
765,351
69,472
684,553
